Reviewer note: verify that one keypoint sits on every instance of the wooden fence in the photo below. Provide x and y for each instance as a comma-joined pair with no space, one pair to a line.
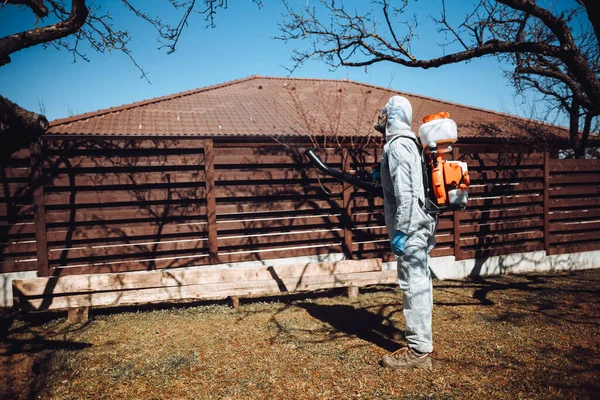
109,205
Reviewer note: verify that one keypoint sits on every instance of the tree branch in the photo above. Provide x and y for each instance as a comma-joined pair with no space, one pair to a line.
25,39
494,47
585,136
37,6
564,78
593,11
571,56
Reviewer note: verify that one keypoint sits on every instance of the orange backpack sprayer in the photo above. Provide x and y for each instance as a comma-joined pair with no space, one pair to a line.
449,179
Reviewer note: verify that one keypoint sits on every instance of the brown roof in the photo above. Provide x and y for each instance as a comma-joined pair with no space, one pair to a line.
268,106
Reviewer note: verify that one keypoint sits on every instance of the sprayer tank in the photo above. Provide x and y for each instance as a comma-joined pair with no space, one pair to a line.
439,130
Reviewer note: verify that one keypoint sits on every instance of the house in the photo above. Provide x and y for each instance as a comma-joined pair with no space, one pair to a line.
216,176
285,108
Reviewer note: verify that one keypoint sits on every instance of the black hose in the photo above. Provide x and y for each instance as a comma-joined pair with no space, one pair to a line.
374,190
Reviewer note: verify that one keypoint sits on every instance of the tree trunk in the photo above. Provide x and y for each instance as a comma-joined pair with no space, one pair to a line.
18,127
585,135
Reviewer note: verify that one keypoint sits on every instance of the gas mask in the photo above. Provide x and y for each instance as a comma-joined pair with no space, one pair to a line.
381,121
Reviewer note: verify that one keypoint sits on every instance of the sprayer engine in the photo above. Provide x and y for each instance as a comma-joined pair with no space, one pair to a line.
448,179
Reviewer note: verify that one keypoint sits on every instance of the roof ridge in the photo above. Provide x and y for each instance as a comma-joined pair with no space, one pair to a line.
452,103
475,108
153,100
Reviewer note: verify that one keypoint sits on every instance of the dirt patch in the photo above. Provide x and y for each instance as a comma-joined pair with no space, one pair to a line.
528,336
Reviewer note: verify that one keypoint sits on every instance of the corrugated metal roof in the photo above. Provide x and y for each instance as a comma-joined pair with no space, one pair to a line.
270,106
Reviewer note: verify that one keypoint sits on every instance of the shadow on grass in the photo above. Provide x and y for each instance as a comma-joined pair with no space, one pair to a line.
554,296
359,322
33,350
28,337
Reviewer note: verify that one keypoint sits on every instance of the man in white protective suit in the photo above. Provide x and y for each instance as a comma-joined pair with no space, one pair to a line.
411,231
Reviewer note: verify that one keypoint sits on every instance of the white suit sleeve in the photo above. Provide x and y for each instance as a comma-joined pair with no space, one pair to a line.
402,170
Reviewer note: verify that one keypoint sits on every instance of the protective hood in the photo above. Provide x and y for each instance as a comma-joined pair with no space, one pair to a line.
399,117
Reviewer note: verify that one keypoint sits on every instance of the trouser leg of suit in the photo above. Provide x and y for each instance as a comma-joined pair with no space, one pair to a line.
414,278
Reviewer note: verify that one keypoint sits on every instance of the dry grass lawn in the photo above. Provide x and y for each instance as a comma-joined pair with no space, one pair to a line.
506,337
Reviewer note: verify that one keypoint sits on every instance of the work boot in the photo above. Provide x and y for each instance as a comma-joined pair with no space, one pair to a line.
406,358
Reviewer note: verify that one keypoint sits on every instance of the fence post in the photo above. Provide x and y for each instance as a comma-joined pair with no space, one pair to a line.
547,203
211,201
39,207
346,212
456,218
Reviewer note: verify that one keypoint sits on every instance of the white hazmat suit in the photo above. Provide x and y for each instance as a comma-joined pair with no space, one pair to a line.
404,196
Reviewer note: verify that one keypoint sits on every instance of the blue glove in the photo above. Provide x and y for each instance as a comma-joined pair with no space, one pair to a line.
398,242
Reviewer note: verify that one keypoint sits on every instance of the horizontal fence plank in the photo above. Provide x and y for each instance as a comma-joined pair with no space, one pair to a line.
15,175
502,159
134,195
129,162
565,191
502,225
574,237
29,264
568,215
120,157
320,202
130,265
566,248
232,161
134,190
360,202
281,238
470,241
509,248
247,224
128,213
266,192
14,260
180,278
233,255
124,234
145,249
368,217
102,142
16,231
368,221
14,215
492,188
589,177
472,214
592,226
505,176
579,202
123,179
482,202
17,249
381,249
168,262
565,165
208,291
9,190
21,154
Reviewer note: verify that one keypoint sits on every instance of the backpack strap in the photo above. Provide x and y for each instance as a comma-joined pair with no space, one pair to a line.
429,207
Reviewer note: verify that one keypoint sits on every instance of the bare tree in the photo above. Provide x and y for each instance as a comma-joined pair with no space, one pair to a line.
75,28
554,51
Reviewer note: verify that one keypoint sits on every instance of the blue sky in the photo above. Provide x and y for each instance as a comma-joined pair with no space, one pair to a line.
241,45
